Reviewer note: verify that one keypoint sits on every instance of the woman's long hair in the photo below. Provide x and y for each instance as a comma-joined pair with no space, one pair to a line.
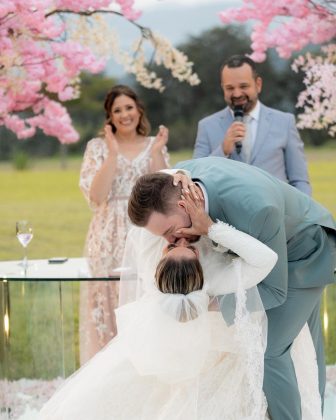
143,128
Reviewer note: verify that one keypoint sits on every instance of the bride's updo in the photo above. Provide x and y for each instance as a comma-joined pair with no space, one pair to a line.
179,276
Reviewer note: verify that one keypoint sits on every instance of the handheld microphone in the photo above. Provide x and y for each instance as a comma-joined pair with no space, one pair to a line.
238,113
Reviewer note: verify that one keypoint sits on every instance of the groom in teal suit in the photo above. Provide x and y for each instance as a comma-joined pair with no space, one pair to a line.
296,227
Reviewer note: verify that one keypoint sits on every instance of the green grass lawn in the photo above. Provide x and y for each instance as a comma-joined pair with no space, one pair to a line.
49,197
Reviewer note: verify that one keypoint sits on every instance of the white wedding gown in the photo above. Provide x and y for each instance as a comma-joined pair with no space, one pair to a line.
159,368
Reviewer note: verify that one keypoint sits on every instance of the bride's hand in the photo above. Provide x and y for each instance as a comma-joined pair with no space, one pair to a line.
200,220
188,187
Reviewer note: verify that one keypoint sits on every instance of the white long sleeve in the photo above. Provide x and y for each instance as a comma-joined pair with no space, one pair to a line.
254,260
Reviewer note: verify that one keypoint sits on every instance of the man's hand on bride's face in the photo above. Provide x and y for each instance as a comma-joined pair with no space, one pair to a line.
188,186
200,221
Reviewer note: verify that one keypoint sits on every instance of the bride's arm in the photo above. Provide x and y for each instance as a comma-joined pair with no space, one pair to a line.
255,258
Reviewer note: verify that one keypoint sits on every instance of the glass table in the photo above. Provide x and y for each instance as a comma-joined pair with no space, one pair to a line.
39,340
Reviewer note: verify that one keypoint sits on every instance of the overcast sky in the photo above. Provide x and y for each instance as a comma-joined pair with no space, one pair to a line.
152,4
176,20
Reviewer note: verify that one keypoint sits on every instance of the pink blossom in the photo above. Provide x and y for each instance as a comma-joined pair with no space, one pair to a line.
289,26
66,94
303,23
127,9
37,58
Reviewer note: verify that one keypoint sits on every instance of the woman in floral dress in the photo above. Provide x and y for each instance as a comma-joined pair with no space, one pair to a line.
110,167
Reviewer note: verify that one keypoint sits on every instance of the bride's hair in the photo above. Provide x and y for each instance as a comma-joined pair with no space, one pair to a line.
180,276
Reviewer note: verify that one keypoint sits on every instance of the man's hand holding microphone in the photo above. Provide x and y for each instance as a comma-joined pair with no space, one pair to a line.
236,132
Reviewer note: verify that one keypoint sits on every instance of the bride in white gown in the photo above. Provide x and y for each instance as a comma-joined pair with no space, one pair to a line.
175,356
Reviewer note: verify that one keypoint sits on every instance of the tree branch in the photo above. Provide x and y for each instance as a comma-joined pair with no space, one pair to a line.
146,32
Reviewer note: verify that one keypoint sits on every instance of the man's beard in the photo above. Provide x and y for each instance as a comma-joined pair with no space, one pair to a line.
248,104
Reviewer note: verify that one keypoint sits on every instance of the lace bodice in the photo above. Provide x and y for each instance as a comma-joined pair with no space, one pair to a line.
128,170
105,241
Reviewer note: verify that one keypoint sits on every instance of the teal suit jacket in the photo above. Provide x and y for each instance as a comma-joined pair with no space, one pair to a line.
277,214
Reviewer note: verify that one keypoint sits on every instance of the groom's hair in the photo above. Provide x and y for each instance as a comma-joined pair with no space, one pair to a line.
152,193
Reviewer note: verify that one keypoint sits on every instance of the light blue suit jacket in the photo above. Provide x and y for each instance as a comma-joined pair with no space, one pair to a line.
278,148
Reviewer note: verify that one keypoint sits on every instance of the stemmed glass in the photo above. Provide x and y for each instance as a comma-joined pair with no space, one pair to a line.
24,233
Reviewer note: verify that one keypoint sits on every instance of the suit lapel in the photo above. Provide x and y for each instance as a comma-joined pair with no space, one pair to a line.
262,131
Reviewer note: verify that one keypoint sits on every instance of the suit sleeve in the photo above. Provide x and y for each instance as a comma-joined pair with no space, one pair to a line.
296,166
267,225
202,144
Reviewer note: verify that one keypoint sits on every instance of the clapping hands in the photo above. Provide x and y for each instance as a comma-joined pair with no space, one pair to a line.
161,139
111,141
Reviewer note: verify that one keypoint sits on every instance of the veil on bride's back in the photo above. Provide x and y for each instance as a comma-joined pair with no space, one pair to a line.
178,351
182,357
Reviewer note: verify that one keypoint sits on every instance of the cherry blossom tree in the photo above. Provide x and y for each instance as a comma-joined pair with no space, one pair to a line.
289,26
46,44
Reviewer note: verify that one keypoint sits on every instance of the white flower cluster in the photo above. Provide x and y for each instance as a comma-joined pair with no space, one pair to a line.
319,99
174,60
96,33
93,32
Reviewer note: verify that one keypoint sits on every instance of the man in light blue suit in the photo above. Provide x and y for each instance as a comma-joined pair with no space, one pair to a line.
272,139
297,228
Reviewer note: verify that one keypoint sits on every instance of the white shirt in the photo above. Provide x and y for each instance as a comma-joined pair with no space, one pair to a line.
254,114
253,123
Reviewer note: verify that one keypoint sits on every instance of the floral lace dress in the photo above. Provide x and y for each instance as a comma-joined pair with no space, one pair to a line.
105,243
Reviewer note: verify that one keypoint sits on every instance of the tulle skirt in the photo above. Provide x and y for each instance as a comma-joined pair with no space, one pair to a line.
160,369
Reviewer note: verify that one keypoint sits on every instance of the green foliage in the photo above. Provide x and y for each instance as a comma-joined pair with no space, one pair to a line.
20,160
87,111
39,145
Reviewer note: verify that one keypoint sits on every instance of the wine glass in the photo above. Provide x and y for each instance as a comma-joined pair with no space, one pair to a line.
24,233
